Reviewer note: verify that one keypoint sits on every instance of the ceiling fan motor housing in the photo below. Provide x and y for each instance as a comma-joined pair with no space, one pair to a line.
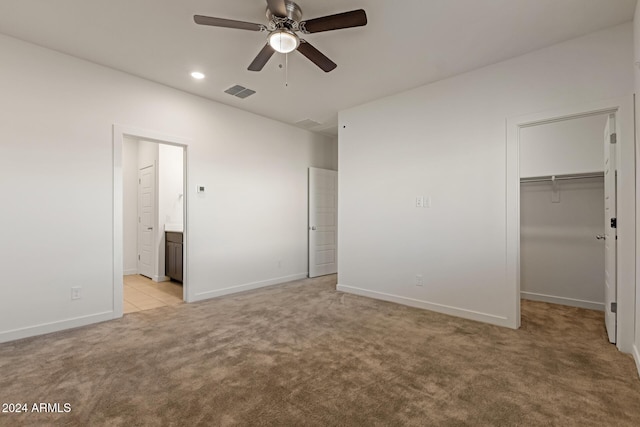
294,15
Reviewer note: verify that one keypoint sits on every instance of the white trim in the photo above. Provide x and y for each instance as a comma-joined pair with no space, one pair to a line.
46,328
248,286
118,220
591,305
623,108
119,132
636,350
131,272
158,279
426,305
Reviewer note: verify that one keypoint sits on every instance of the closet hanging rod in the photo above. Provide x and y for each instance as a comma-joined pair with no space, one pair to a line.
562,177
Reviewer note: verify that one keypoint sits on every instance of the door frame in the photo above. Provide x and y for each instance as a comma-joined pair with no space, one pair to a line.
610,244
119,133
625,157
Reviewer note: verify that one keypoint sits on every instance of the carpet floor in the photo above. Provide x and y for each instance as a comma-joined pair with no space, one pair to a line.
304,354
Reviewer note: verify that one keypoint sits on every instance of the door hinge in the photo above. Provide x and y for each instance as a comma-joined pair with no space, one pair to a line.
138,257
614,307
613,138
614,222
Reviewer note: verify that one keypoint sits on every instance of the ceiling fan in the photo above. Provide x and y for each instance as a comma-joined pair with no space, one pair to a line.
284,22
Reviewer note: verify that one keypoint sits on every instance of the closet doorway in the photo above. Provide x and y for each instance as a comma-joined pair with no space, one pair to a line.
622,136
562,211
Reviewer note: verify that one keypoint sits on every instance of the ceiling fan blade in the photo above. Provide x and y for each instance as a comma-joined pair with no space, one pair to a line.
277,7
315,56
263,57
355,18
227,23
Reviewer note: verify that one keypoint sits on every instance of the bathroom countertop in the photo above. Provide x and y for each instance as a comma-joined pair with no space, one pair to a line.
176,228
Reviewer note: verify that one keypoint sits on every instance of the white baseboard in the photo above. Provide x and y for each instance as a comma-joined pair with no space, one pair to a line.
426,305
158,279
46,328
636,357
130,272
591,305
247,287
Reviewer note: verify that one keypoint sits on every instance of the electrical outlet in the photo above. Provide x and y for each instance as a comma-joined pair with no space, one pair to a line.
76,292
419,281
419,201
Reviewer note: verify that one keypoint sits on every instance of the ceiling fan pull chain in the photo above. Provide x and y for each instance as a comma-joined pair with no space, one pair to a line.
286,70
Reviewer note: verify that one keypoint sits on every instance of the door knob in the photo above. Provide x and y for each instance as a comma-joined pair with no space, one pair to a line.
149,228
600,237
313,228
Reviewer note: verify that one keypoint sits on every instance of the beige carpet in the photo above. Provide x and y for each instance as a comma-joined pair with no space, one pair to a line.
304,354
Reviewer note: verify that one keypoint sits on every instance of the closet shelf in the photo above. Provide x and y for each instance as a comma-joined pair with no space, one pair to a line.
563,177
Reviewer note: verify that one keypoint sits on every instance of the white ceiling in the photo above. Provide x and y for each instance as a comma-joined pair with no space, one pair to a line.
407,43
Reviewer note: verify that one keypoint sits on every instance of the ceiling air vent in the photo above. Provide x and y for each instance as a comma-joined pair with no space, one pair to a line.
307,124
240,91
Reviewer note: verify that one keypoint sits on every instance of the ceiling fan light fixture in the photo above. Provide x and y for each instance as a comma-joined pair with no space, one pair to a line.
284,41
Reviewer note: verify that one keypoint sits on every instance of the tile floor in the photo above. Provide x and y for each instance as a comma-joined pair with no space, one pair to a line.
141,293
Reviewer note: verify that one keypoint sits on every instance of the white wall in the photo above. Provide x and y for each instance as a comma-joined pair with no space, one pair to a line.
171,185
147,154
130,206
57,115
170,196
560,259
564,147
447,140
334,154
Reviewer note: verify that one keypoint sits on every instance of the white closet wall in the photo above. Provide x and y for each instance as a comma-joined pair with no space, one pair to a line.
564,147
560,259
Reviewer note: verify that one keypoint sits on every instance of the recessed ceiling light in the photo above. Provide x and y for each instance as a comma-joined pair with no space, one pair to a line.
197,75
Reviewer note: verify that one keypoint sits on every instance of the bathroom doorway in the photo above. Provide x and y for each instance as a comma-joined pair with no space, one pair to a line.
153,224
150,222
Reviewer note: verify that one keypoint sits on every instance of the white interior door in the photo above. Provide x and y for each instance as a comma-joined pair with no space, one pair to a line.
323,222
610,231
146,236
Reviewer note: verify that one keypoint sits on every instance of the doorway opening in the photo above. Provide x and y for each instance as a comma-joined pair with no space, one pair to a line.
562,212
150,220
564,165
622,136
153,214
